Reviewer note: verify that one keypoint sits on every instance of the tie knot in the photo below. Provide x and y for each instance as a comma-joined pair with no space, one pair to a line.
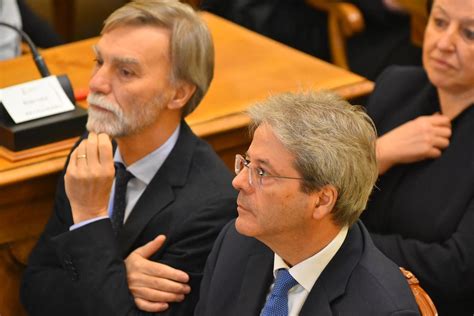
283,283
277,302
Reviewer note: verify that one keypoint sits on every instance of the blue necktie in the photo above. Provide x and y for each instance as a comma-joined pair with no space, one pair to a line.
122,176
277,303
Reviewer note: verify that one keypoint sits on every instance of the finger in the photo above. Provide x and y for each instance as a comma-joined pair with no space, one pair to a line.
71,166
137,264
440,120
159,284
153,295
434,153
440,142
151,307
443,132
160,270
71,170
81,157
105,150
151,247
91,150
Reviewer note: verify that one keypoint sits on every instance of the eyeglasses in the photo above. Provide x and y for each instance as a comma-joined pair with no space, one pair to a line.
257,176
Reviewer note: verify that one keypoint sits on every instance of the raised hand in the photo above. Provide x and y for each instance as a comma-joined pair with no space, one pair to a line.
422,138
89,177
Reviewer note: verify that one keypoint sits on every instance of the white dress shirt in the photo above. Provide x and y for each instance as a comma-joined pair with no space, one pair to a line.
307,272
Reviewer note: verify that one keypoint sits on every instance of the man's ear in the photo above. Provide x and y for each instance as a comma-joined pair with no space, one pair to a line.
182,94
324,201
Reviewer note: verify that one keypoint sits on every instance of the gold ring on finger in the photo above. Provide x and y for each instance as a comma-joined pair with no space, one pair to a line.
81,157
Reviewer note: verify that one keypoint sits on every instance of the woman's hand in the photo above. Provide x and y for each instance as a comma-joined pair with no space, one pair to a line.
422,138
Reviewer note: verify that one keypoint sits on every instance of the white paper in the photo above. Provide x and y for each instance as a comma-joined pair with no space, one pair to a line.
35,99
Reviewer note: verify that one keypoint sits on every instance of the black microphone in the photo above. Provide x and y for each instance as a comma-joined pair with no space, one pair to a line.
38,59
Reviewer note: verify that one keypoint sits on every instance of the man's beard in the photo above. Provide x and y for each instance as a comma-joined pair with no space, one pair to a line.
117,123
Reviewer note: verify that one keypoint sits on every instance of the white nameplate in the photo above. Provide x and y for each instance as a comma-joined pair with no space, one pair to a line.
35,99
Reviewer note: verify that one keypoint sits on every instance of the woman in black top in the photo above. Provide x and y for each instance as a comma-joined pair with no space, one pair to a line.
421,214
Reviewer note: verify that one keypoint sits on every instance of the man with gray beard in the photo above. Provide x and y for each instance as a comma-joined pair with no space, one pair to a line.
135,218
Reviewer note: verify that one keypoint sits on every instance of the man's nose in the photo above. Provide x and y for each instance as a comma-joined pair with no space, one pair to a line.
241,180
100,81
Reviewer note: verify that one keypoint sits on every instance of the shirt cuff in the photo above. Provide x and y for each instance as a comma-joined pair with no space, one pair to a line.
78,225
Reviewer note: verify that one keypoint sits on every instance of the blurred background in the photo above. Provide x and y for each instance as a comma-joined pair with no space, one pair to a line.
75,19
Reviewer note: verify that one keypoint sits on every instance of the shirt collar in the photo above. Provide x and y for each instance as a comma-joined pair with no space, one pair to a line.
146,168
307,272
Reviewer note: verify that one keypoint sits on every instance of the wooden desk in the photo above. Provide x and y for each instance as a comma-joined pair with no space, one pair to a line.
248,68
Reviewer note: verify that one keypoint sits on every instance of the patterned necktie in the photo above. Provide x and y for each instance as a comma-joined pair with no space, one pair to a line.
277,303
122,176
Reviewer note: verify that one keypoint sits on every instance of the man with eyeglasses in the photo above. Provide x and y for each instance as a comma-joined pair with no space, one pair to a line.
297,246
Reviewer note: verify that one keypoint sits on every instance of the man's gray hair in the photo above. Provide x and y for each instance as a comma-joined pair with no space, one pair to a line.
333,143
191,47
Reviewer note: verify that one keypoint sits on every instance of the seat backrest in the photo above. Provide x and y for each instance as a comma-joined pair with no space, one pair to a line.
418,16
346,19
425,304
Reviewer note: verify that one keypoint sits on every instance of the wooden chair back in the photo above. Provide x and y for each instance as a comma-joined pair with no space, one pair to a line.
345,20
425,304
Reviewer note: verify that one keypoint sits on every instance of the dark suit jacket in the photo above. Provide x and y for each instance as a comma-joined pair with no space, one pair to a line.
81,272
421,215
359,280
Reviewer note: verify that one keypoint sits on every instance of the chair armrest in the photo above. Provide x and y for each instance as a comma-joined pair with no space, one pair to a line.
425,304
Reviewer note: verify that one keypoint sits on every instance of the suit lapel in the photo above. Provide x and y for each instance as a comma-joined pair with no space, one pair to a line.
160,192
332,282
317,303
257,279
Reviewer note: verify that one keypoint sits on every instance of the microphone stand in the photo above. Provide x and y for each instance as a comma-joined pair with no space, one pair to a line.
38,59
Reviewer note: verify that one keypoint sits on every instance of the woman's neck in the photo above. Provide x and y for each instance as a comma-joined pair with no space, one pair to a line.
453,104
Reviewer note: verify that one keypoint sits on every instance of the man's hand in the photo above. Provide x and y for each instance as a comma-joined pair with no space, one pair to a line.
422,138
154,285
89,177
